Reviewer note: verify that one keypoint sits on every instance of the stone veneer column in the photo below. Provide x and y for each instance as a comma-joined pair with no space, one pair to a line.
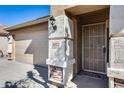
10,48
115,70
60,57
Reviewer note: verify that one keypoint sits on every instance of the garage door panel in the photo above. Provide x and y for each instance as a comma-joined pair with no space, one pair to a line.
32,47
25,59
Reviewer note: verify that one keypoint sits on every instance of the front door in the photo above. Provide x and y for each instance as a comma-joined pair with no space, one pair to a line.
94,47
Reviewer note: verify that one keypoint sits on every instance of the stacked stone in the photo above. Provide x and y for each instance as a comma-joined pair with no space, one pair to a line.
60,56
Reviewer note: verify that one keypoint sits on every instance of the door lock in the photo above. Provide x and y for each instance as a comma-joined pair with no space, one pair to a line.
104,49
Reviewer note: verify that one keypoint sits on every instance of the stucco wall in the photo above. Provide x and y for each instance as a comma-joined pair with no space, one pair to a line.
31,44
94,17
58,10
116,19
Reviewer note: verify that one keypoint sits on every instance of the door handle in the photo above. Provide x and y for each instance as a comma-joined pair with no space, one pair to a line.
104,49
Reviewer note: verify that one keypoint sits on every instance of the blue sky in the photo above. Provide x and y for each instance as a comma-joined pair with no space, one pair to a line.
15,14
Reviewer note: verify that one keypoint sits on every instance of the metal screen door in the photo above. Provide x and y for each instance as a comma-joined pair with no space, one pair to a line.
94,47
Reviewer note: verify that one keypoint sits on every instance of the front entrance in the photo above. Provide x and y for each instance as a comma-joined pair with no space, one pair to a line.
94,47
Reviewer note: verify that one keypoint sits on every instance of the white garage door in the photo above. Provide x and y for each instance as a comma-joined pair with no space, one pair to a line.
32,47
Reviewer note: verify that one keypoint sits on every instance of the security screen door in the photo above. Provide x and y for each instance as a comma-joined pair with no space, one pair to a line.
94,47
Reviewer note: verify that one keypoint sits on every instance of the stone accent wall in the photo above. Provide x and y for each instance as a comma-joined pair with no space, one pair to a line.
60,58
115,70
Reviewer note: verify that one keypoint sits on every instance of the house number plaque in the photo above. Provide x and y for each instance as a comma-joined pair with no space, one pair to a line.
55,45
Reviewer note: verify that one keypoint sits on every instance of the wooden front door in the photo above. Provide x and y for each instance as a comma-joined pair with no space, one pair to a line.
94,47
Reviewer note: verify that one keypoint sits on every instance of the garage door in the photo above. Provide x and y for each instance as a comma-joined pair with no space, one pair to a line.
32,47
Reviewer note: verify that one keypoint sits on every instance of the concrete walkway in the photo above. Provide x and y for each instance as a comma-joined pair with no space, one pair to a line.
89,81
15,71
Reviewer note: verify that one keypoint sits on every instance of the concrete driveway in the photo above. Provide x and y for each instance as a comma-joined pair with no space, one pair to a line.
15,71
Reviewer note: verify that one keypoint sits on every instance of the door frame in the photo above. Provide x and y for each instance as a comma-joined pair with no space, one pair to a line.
106,39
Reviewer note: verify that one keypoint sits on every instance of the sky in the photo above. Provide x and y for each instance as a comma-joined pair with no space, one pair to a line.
16,14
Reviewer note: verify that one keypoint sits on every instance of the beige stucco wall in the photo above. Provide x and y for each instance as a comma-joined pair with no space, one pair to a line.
116,19
31,44
58,10
94,17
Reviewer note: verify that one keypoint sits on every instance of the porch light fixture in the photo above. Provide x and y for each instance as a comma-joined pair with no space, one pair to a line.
52,22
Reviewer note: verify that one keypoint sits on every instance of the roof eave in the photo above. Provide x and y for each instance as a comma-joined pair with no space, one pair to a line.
29,23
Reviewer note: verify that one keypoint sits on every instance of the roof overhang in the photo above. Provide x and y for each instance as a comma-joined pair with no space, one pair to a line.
82,9
29,23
